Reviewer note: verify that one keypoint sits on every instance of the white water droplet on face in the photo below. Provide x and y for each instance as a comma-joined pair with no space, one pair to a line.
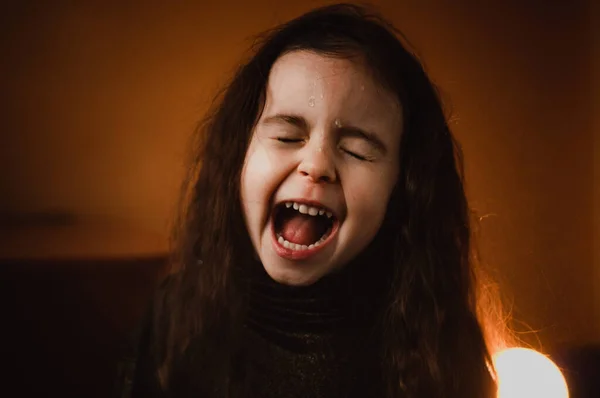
311,101
338,123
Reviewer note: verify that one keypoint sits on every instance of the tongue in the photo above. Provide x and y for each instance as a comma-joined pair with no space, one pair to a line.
301,229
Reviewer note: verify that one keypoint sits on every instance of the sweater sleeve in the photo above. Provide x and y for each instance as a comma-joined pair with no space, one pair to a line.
144,381
137,375
136,368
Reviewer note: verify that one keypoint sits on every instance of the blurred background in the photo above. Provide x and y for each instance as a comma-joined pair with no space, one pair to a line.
98,99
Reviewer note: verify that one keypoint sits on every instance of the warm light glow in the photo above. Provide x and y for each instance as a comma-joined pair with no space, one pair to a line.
525,373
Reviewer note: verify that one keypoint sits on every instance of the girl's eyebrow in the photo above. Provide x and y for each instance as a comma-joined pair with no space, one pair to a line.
346,131
294,120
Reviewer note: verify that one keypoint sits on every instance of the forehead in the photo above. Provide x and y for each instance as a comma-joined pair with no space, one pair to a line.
311,65
302,78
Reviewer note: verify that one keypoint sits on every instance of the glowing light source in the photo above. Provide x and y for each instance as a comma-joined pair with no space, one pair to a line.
525,373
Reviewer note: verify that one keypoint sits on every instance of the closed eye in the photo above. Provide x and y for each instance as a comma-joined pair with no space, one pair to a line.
357,156
288,140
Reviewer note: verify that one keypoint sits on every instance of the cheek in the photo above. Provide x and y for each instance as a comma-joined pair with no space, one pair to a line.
260,176
248,183
256,168
370,200
369,206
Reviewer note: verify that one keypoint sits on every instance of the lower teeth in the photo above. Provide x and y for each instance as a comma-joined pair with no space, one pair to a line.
295,246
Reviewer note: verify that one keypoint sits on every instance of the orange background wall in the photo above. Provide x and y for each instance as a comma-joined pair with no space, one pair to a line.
99,98
595,18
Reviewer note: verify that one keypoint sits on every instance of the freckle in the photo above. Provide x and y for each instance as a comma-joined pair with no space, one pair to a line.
311,101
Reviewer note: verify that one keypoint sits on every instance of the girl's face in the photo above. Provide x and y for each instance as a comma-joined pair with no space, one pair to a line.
321,166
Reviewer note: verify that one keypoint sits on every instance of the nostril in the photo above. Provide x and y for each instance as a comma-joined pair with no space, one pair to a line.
317,178
317,171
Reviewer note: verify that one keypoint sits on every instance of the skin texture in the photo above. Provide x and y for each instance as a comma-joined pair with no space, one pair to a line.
308,146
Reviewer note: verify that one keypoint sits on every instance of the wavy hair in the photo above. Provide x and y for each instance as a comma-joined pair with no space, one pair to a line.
432,336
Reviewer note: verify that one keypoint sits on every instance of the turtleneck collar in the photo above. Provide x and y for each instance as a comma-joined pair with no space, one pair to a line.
301,317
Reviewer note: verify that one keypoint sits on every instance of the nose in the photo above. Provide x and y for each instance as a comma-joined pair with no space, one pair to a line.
318,164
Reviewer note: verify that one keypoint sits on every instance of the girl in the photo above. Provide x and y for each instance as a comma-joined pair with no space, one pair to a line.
324,250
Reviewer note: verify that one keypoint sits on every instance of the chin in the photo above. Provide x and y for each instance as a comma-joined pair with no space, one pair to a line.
293,276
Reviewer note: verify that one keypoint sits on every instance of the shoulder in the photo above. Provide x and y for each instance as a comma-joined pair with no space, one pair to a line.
136,369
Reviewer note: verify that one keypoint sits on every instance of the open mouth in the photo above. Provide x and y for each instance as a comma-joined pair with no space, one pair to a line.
303,228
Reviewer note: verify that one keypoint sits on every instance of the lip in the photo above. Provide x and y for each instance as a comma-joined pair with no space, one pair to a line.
312,203
290,254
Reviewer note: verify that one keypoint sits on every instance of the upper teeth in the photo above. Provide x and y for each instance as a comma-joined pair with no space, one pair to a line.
310,210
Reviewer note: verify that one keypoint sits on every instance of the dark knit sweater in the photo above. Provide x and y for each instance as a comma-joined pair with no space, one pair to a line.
296,342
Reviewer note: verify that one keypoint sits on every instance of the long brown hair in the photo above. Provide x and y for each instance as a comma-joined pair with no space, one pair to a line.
433,343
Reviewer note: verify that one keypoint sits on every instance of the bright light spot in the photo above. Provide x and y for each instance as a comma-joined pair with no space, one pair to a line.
525,373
